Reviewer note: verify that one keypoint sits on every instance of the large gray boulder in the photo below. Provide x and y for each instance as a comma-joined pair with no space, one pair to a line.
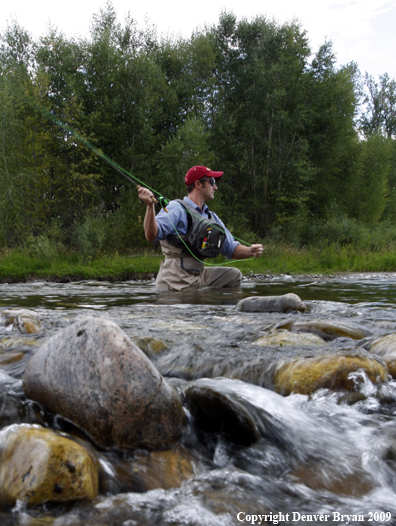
92,374
285,303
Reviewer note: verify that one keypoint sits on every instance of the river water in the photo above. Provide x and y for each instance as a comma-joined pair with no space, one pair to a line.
317,461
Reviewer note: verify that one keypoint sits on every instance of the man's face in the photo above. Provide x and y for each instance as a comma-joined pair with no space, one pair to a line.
207,188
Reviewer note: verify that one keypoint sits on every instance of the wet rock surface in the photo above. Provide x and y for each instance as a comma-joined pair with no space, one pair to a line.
326,371
216,412
283,338
92,374
163,469
27,322
151,346
326,330
39,466
242,447
12,401
285,303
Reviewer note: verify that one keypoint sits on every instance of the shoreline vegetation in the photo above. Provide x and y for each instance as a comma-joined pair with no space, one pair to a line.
308,148
18,266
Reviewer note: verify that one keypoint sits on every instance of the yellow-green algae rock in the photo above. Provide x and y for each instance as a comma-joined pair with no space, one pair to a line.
38,465
285,338
326,371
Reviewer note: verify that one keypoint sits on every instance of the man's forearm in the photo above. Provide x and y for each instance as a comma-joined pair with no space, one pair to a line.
150,223
242,252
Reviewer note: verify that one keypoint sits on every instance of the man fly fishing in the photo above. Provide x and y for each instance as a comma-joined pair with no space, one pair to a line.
188,232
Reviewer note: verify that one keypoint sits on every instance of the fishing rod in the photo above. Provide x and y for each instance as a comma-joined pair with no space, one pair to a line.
162,201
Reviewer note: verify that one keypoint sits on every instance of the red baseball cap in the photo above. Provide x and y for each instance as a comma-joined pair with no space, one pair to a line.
196,172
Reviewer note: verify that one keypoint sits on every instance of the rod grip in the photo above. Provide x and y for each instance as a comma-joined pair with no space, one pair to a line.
154,200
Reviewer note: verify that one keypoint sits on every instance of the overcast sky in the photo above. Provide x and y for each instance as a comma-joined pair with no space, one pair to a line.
361,30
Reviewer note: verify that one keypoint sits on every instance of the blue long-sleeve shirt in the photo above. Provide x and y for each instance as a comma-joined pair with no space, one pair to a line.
176,217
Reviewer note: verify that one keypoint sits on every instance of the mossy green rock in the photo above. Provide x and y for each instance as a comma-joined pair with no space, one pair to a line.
38,465
325,371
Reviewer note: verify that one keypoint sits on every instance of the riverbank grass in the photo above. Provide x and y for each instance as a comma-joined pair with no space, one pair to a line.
17,265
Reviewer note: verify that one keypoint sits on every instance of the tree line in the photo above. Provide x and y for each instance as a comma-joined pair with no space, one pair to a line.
301,141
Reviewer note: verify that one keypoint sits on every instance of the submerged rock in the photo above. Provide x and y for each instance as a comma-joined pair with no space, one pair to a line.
391,367
354,484
351,398
92,374
285,338
163,469
25,321
12,398
151,346
325,371
10,342
147,470
11,357
38,466
327,331
285,303
385,346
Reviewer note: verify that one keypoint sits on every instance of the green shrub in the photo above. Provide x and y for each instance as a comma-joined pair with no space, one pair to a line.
124,226
88,236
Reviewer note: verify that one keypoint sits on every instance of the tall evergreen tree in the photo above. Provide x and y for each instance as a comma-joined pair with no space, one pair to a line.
331,131
259,127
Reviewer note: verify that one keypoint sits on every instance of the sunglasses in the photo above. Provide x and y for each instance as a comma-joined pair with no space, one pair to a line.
210,180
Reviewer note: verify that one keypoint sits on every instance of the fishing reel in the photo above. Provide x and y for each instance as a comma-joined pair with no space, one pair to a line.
163,201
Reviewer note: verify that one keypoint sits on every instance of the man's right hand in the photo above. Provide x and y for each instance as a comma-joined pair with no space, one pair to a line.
146,195
149,223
